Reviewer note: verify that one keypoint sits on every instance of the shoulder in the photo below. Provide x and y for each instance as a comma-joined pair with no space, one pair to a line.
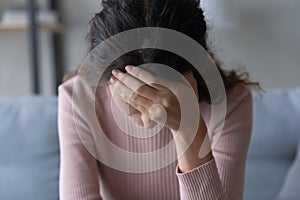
239,96
65,90
75,93
239,106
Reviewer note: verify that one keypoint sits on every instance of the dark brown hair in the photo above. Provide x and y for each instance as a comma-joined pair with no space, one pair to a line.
184,16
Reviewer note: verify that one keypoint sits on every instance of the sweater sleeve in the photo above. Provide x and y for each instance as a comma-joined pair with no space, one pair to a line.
78,168
223,177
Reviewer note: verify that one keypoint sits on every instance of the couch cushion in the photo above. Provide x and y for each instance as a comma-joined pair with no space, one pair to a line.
273,145
290,189
29,148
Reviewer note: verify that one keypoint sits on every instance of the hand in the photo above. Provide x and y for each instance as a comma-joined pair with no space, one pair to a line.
148,99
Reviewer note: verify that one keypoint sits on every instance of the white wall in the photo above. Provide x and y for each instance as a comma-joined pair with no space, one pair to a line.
76,14
261,35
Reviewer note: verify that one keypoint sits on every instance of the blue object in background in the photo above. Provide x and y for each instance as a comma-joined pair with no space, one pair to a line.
273,146
29,149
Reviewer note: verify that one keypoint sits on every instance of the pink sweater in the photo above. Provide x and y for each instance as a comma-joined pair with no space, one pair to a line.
83,177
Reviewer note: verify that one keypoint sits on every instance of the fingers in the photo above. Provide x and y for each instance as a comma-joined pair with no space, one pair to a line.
135,114
135,84
145,76
131,89
118,101
137,118
141,74
123,106
147,122
125,96
128,96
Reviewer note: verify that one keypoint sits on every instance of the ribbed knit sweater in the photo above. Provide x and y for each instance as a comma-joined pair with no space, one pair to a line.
83,177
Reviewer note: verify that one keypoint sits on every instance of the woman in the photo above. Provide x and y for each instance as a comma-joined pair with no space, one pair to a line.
218,174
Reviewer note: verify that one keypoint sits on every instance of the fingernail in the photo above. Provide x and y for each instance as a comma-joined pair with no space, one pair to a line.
129,68
115,72
113,80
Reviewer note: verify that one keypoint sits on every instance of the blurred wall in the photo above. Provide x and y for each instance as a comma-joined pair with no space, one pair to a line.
262,36
14,59
76,15
14,55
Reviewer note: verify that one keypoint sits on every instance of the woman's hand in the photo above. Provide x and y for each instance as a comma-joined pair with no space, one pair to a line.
148,99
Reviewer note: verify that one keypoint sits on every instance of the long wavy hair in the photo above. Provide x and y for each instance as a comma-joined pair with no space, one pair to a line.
184,16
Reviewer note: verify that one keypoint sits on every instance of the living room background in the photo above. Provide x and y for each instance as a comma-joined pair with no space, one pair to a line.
268,46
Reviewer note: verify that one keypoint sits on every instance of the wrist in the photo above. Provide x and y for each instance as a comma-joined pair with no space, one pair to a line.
189,163
188,148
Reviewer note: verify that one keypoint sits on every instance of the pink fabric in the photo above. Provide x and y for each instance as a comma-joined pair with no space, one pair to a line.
83,177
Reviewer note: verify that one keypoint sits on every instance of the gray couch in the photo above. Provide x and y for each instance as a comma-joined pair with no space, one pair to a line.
29,146
273,145
29,149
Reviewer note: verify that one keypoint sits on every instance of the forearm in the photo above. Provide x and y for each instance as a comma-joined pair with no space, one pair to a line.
197,175
189,158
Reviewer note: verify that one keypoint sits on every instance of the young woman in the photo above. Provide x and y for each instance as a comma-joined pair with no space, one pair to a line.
217,175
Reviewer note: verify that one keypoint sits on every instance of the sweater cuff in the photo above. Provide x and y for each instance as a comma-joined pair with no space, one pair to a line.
201,183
